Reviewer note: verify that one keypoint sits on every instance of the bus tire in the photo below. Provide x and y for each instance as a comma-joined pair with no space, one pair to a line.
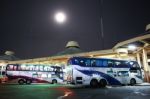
102,83
132,82
28,81
21,81
54,81
94,83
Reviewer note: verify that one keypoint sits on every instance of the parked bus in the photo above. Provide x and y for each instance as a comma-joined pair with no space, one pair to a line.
29,73
101,72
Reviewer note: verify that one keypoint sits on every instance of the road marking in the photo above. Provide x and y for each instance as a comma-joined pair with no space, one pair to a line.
109,86
65,95
135,93
140,93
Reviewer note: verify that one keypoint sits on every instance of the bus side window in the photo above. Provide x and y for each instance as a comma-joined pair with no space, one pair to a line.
133,70
27,67
133,64
19,68
45,68
125,64
88,63
117,63
123,73
105,64
99,63
110,63
23,67
31,67
82,63
40,68
15,67
10,67
136,65
93,63
76,62
49,68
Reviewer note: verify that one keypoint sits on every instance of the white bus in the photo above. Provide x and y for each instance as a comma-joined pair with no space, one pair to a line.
101,72
29,73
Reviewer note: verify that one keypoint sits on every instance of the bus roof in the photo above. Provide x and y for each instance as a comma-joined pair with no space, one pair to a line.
101,58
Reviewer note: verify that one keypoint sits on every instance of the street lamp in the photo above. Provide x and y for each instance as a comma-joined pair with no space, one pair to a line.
60,17
132,47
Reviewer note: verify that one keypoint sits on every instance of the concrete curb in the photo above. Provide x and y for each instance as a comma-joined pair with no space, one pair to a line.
143,84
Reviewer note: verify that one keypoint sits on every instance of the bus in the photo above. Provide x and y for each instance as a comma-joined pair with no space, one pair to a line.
34,73
101,72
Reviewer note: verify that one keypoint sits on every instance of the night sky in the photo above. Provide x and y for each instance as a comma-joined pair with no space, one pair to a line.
28,28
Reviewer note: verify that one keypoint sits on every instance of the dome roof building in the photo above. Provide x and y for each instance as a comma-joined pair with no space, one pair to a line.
9,55
148,28
72,47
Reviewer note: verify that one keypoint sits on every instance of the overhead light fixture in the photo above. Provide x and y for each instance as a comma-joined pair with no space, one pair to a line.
132,47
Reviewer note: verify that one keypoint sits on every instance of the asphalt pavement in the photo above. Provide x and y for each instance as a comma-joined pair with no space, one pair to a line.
50,91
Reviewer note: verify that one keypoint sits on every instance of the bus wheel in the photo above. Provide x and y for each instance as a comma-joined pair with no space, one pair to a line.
54,81
132,82
94,83
21,81
102,83
28,81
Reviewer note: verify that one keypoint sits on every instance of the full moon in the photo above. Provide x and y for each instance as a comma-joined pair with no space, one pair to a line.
60,17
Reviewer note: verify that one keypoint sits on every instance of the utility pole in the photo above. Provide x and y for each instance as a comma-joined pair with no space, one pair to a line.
101,24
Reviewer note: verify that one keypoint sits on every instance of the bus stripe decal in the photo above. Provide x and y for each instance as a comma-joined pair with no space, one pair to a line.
111,80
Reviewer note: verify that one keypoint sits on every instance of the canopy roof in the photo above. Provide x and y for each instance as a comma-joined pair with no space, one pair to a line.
140,41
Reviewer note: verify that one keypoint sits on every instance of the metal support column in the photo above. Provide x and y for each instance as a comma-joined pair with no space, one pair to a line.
145,64
138,59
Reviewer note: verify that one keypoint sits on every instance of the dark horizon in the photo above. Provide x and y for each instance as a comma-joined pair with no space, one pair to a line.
28,27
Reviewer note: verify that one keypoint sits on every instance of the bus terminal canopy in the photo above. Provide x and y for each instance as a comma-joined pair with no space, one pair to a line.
138,42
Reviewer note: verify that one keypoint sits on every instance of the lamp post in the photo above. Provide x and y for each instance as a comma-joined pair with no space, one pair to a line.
101,24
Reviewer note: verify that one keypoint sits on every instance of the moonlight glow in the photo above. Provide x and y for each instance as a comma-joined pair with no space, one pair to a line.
60,17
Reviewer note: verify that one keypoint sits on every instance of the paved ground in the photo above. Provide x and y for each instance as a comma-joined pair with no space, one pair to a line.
48,91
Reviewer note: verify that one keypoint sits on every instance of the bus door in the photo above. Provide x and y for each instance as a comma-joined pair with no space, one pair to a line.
1,69
111,70
58,72
122,71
